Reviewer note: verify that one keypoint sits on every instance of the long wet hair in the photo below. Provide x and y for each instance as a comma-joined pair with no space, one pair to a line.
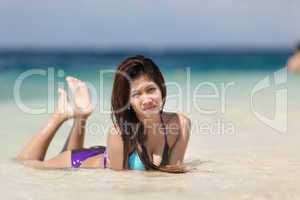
123,115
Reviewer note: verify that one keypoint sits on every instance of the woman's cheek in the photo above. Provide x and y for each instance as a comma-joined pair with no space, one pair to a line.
135,104
158,98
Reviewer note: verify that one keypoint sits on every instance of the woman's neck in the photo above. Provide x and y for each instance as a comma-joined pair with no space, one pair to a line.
152,125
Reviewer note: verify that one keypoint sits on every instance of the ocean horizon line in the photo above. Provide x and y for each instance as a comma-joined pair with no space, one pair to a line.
150,51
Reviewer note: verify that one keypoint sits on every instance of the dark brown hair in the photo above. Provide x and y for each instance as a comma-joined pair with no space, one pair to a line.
123,116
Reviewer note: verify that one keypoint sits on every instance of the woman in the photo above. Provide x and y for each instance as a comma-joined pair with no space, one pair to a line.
143,135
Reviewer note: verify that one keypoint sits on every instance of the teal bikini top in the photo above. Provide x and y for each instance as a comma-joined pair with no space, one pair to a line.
134,161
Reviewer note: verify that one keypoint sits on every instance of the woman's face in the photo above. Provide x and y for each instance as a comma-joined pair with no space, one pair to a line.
145,97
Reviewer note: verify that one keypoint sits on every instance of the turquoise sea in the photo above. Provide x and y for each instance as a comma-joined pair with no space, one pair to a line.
89,64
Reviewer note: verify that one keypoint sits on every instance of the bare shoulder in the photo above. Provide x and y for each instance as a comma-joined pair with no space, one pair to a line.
185,121
179,118
178,126
185,125
185,132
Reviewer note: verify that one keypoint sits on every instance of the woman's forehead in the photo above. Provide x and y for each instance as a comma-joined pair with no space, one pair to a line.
141,82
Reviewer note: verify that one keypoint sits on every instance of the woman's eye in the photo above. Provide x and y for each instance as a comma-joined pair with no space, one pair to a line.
135,95
151,89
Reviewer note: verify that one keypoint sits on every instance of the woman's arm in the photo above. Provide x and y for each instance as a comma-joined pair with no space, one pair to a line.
115,149
179,148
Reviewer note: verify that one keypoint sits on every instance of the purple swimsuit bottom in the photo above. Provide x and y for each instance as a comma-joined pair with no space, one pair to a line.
78,156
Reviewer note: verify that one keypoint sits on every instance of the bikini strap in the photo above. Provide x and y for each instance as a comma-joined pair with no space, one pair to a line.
165,157
165,130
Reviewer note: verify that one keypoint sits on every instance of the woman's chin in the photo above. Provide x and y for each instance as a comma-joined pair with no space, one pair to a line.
150,112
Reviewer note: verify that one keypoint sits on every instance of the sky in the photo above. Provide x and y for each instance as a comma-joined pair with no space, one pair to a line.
149,23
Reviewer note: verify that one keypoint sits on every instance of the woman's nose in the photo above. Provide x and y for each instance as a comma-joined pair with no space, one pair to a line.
147,101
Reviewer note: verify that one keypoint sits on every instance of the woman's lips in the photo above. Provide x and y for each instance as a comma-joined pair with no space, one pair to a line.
149,108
